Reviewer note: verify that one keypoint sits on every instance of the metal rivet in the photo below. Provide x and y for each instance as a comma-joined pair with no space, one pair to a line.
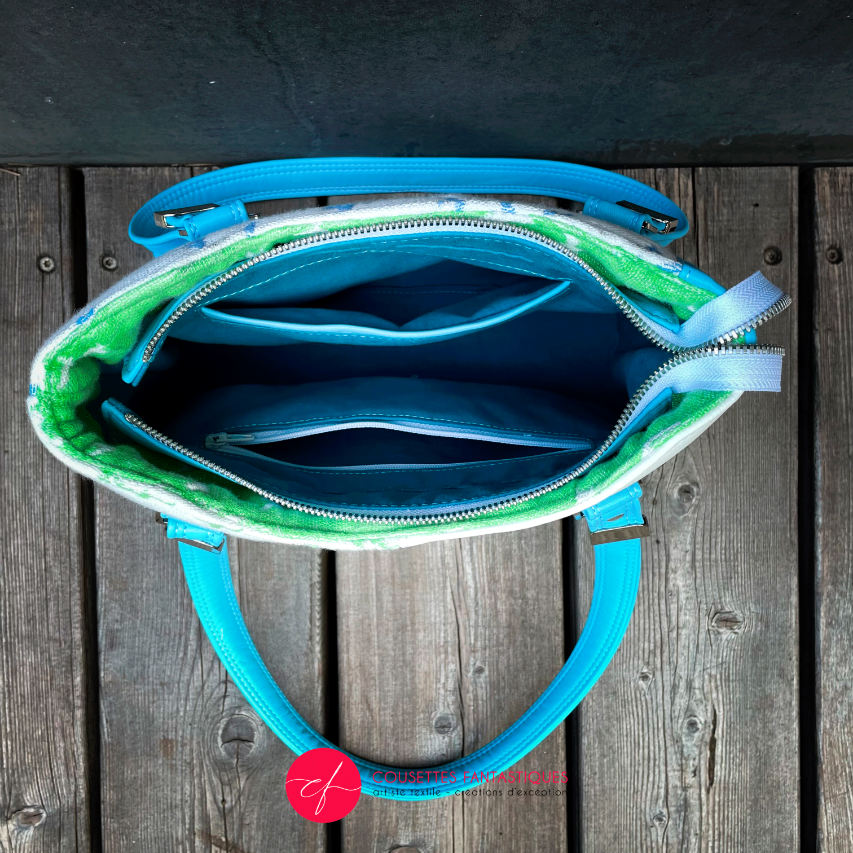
47,263
772,256
833,255
108,262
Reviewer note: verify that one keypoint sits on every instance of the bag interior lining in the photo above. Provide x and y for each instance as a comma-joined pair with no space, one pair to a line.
576,351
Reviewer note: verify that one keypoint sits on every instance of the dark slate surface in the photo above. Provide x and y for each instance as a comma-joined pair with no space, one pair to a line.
606,83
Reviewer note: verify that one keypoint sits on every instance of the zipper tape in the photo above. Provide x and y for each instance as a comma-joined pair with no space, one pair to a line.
738,310
411,425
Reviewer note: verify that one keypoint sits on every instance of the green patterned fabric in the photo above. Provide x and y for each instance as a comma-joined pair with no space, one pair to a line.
66,375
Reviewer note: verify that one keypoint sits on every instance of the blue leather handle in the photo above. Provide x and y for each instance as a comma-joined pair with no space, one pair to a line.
229,189
617,572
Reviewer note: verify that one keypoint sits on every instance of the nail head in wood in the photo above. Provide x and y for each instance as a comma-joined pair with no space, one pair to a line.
772,256
834,255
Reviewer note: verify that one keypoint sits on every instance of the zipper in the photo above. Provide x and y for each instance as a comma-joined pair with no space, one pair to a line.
217,440
426,224
220,440
473,512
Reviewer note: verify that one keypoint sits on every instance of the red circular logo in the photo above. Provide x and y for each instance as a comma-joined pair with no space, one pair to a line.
323,785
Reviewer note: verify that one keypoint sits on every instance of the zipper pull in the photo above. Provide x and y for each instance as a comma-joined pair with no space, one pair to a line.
224,439
641,220
195,221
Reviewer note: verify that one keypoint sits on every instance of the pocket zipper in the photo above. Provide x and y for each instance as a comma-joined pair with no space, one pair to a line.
457,515
444,222
218,440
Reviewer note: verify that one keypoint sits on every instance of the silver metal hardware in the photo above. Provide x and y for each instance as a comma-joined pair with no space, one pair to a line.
162,217
205,546
620,534
198,543
660,223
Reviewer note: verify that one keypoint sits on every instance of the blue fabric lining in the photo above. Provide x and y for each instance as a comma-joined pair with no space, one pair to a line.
426,488
425,443
294,278
523,366
318,272
272,326
262,414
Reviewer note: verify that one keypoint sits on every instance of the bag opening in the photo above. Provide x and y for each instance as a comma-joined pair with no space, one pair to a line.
404,373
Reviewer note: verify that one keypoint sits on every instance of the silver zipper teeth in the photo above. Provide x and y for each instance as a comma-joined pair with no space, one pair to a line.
444,221
782,303
476,511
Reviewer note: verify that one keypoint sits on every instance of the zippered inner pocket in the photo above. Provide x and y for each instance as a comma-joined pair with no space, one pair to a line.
389,421
407,456
370,442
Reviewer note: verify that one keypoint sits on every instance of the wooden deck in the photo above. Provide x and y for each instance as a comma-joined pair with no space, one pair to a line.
725,721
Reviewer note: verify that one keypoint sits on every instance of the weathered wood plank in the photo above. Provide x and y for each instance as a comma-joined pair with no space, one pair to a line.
186,762
621,788
44,785
833,236
690,740
440,648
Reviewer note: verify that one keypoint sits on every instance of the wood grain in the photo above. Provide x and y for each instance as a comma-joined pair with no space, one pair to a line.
44,786
690,740
441,647
186,762
833,243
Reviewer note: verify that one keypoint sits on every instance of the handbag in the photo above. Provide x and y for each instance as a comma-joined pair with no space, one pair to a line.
390,372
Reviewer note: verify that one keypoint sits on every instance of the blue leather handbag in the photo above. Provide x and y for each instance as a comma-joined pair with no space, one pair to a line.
385,373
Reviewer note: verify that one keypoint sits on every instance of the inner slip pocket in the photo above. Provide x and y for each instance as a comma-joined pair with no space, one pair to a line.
268,326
